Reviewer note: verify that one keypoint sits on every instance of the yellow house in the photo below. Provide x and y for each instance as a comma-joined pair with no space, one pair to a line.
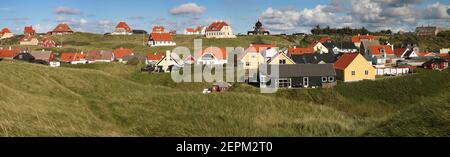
281,58
253,57
352,67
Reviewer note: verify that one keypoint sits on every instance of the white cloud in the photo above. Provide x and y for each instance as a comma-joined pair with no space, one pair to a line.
436,11
293,20
187,9
67,11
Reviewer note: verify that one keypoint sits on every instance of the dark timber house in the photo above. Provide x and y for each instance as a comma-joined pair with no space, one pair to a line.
297,76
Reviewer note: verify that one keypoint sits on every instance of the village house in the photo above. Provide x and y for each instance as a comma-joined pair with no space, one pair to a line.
99,56
444,50
352,67
6,33
47,42
343,47
153,58
436,64
212,56
29,31
24,56
170,62
297,76
189,60
159,38
357,40
8,53
158,29
73,58
120,53
258,29
318,47
219,29
253,56
429,30
280,58
122,29
200,30
46,56
61,29
364,48
380,55
28,40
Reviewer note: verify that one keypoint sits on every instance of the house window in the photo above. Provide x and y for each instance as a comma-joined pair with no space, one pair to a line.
324,79
366,72
282,61
353,73
247,63
284,83
331,79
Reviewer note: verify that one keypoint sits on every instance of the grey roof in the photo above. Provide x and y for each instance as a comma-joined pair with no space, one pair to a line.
314,58
41,55
299,70
346,45
367,43
99,55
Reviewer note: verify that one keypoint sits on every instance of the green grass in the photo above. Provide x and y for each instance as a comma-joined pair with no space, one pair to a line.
113,99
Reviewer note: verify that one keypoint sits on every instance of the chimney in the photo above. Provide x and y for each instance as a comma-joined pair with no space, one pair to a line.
295,47
82,52
10,48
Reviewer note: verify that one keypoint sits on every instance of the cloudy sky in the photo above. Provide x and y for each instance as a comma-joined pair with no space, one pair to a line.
279,16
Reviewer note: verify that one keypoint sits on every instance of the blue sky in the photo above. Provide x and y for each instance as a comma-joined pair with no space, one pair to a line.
280,16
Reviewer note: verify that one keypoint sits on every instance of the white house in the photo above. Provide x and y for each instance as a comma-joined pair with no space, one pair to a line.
161,39
6,33
219,29
318,47
122,29
169,62
212,56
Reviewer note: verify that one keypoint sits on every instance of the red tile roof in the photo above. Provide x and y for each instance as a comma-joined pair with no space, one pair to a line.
122,52
154,56
358,38
62,28
216,26
300,51
9,53
29,30
345,60
5,30
47,42
27,38
161,37
192,30
325,39
68,57
158,29
376,49
125,26
399,51
218,53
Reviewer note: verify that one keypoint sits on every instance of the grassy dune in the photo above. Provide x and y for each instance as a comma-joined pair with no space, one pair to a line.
113,99
99,100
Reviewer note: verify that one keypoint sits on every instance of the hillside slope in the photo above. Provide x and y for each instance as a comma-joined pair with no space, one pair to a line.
37,100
